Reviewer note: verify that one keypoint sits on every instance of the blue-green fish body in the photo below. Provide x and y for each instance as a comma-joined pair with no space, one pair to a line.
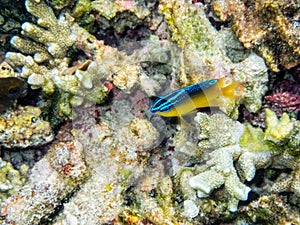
199,95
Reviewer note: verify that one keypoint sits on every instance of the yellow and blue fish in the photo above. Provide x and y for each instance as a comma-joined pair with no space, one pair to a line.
200,95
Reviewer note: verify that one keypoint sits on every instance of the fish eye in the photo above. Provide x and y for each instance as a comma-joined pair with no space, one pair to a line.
34,119
13,90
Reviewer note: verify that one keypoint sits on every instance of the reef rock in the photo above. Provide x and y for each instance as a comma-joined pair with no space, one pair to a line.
271,28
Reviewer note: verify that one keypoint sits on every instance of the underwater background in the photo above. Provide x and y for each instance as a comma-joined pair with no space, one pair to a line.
83,135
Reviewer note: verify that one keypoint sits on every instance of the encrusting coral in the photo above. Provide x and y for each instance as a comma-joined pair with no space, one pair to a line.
11,180
260,24
24,127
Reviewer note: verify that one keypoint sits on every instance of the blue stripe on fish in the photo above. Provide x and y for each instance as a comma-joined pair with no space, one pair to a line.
169,101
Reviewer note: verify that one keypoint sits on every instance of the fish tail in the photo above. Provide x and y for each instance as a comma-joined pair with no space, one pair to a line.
231,89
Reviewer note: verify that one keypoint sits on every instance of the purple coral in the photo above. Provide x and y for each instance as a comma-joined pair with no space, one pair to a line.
285,97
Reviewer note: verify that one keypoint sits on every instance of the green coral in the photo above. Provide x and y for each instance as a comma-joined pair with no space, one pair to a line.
281,134
59,4
253,139
278,130
82,7
11,180
188,25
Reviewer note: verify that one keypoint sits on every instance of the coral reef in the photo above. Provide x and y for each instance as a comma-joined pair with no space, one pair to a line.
287,182
51,45
278,130
117,158
99,63
24,127
259,25
250,148
11,180
109,17
221,172
52,37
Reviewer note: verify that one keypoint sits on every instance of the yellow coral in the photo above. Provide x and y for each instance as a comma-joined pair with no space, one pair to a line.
278,129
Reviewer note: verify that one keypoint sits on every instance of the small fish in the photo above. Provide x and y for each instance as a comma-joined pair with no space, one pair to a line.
11,88
199,95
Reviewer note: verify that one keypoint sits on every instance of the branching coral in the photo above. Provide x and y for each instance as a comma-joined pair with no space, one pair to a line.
220,169
52,40
52,37
250,149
